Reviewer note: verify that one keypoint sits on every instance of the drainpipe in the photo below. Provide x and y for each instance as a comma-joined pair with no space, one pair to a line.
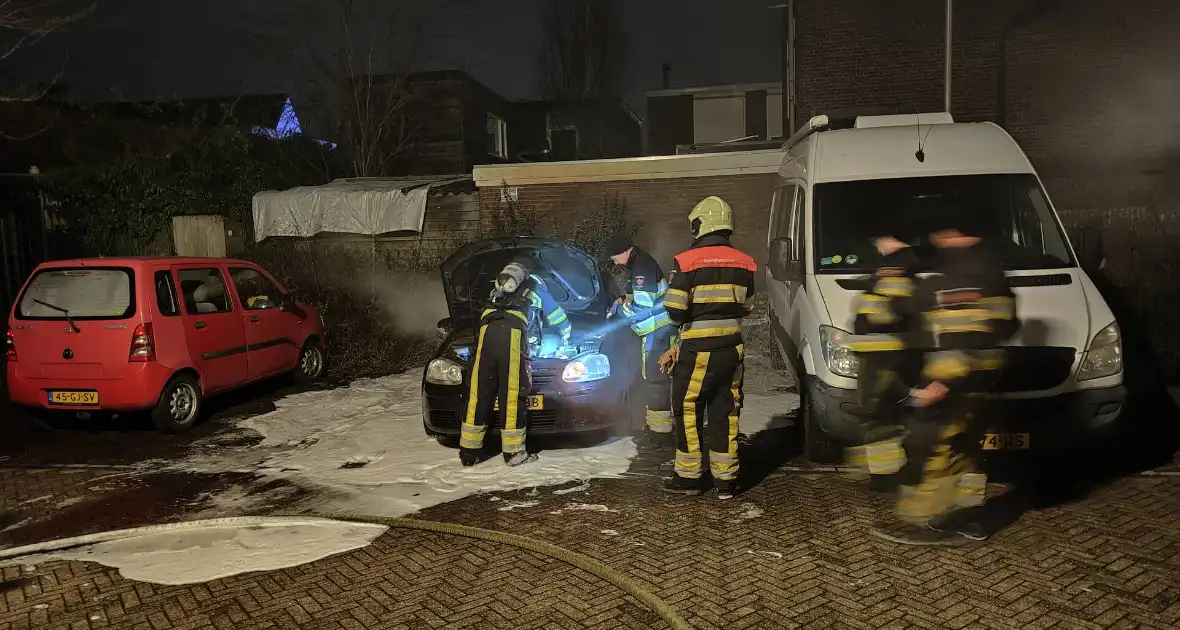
788,65
946,104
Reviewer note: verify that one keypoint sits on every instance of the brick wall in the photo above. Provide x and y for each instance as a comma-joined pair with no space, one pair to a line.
1086,82
661,206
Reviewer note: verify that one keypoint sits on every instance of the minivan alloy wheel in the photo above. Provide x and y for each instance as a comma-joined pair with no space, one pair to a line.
312,362
183,403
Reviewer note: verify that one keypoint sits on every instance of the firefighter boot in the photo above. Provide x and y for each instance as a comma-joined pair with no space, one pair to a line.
469,456
682,485
519,458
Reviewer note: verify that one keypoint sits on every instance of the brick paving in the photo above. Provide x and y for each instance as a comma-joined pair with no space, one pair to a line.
791,553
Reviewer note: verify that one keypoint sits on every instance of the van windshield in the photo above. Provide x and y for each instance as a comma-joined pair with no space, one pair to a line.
78,294
1010,212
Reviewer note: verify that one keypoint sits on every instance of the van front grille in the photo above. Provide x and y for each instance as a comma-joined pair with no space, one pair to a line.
1035,368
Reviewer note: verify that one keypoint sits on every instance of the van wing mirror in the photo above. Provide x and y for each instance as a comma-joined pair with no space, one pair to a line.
782,268
1087,243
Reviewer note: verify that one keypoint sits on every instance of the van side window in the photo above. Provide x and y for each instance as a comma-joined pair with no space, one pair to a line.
203,291
798,217
166,302
783,199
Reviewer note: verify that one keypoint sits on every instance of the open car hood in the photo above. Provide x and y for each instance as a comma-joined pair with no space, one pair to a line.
571,275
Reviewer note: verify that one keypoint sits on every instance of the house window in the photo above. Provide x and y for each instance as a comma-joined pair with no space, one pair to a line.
497,137
718,118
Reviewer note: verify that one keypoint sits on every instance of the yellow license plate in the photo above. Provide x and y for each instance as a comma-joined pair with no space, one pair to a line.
1005,442
536,403
82,399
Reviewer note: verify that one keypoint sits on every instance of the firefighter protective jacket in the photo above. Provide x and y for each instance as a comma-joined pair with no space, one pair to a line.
968,311
710,290
887,313
531,294
646,309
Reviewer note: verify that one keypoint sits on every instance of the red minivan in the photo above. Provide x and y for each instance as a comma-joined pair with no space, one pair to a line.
153,334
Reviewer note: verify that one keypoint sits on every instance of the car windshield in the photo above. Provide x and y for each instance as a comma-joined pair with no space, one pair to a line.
1011,213
570,276
78,294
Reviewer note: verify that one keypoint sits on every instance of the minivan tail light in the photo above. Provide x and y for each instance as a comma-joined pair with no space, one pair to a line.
10,347
143,349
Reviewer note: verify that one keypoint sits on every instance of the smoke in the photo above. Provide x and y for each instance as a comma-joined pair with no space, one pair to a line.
412,301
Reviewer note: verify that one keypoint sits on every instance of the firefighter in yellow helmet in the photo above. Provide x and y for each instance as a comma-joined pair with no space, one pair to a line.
711,288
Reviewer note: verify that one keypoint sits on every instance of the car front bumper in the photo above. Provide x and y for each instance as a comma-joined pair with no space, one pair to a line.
1064,422
567,408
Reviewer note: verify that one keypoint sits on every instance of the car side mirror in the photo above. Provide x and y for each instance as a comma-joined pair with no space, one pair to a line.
284,302
444,324
1087,243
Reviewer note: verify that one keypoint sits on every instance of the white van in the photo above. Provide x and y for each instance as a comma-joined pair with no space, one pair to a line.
1063,386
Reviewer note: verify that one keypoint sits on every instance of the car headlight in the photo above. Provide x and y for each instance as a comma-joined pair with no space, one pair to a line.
1104,357
592,367
837,355
442,371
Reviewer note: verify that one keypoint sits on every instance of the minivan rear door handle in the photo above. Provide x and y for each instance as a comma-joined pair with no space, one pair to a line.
255,319
199,325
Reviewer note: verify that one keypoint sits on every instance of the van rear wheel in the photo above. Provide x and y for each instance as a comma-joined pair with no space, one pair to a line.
179,406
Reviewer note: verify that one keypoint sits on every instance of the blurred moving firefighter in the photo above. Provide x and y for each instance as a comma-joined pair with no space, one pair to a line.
501,368
887,328
968,310
711,288
644,308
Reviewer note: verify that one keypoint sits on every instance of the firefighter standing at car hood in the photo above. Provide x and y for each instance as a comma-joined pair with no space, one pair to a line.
644,308
501,367
711,289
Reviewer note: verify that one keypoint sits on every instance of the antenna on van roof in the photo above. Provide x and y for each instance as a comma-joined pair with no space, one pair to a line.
920,154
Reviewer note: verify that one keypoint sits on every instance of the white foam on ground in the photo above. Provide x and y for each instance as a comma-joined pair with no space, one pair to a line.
379,421
765,412
202,554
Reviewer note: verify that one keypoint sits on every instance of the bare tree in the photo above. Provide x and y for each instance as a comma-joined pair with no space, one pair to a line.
23,23
584,52
357,58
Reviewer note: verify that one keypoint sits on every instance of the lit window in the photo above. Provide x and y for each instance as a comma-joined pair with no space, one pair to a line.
497,137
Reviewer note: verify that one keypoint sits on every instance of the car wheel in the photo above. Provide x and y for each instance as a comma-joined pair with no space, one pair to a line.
179,406
313,362
449,441
818,448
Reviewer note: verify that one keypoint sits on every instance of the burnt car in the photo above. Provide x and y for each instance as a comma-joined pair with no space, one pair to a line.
579,387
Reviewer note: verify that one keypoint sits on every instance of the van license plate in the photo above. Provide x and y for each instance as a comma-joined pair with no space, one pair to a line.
1005,442
82,399
536,403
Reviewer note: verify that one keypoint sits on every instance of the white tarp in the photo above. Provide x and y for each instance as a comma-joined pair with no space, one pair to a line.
366,206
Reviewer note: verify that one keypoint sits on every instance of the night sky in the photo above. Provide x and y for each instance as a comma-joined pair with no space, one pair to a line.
143,49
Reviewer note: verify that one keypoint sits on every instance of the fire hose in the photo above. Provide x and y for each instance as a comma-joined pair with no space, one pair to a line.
573,558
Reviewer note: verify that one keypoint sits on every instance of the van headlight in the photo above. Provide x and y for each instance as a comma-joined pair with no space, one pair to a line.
443,371
1104,357
592,367
837,355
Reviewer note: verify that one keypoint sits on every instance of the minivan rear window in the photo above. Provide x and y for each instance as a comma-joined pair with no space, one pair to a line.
79,293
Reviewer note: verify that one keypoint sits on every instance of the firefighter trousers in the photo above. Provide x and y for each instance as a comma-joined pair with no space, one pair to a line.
500,374
947,475
657,395
707,386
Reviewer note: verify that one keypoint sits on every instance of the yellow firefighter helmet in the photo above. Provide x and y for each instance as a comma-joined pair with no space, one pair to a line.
711,215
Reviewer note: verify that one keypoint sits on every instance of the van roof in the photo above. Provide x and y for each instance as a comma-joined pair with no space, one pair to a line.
882,152
140,261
